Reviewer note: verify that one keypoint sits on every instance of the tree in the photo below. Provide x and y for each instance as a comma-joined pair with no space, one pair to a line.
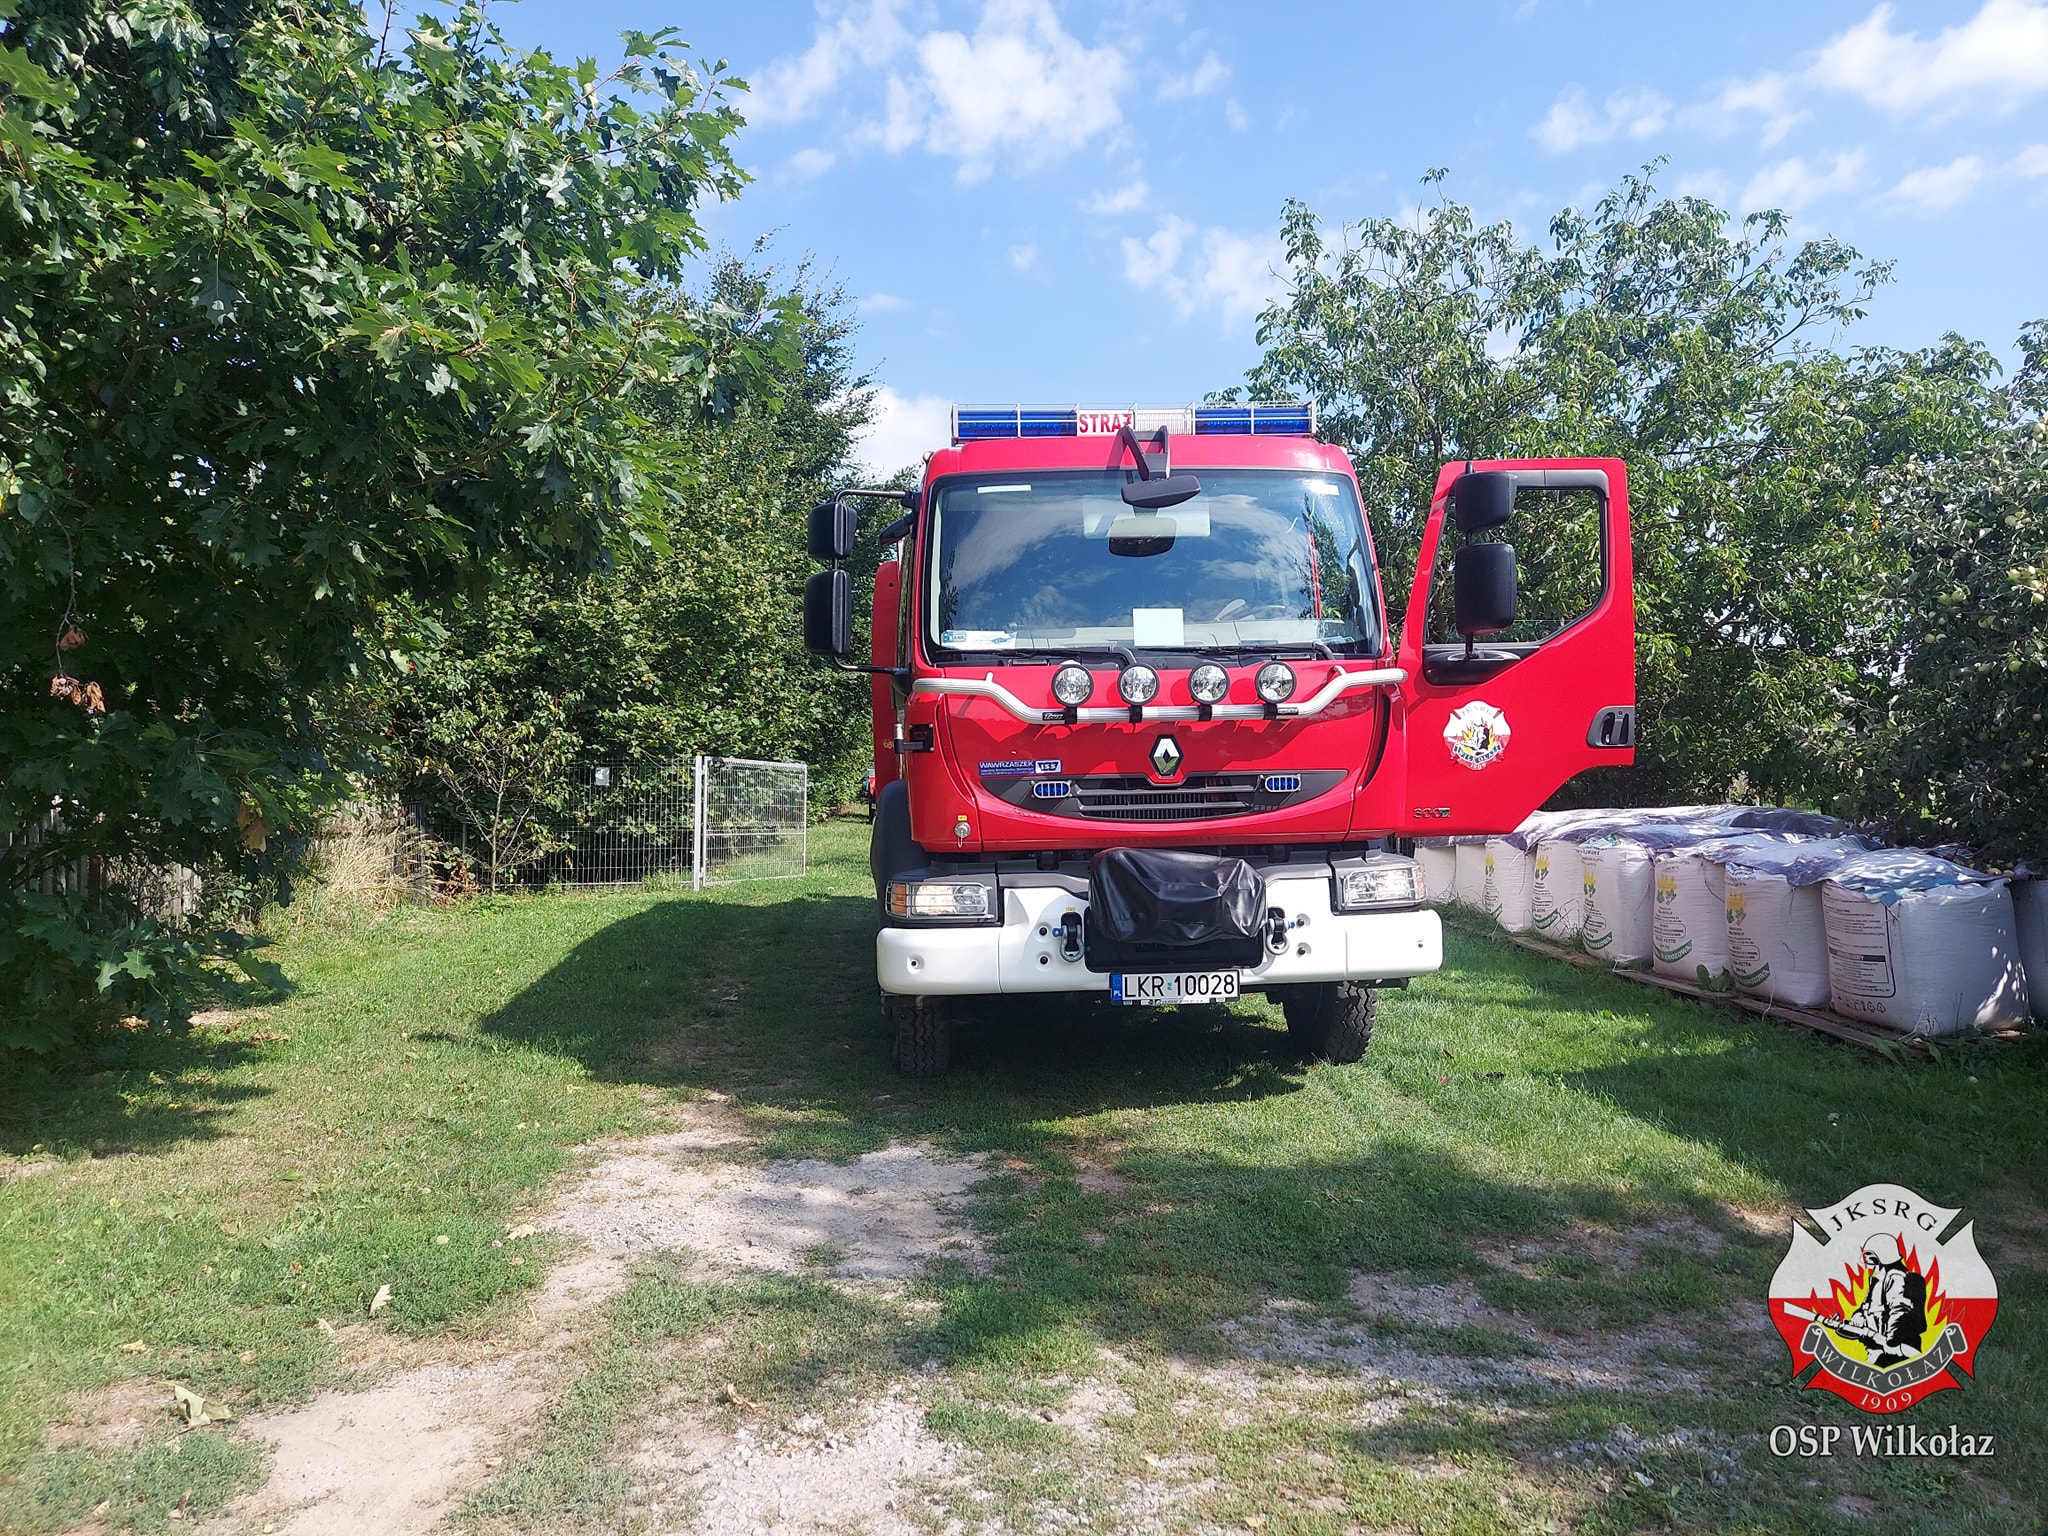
1953,741
1407,338
689,643
295,319
1658,331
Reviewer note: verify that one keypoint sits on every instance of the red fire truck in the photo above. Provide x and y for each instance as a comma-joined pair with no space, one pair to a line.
1142,729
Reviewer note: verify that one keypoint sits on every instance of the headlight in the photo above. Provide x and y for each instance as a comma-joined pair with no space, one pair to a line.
958,901
1275,682
1138,685
1208,683
1071,685
1388,882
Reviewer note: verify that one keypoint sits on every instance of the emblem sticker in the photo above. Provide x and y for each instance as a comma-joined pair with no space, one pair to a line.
1023,767
1476,733
1888,1311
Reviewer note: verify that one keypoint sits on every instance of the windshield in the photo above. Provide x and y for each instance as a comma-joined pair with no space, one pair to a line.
1260,560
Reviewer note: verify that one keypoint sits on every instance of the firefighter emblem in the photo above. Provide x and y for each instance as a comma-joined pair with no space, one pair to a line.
1887,1310
1476,733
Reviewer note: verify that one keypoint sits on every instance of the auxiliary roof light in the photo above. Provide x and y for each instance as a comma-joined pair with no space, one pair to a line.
1071,685
1138,685
1275,682
1208,683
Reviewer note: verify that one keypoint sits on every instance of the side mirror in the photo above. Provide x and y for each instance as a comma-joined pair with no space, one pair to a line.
832,529
1482,588
1482,499
1161,491
828,613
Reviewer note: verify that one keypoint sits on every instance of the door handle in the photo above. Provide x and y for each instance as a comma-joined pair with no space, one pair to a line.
1613,727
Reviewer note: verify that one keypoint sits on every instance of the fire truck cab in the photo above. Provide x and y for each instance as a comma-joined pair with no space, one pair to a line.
1143,727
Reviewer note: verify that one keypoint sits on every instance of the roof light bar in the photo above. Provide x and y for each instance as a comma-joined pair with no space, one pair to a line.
981,423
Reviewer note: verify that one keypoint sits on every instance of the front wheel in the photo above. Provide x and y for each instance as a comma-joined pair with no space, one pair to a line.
1330,1020
924,1033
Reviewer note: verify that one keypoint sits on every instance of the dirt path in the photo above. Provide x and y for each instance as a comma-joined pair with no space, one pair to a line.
396,1457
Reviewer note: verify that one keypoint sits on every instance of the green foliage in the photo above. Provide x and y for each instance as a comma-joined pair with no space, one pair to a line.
1656,331
1958,748
295,319
689,642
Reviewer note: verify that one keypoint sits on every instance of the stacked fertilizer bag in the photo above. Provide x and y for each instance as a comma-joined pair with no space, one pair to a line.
1618,881
1549,841
1921,944
1437,857
2030,911
1689,907
1511,867
1777,936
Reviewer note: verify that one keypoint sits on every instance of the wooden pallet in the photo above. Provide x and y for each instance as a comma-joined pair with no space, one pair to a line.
1883,1041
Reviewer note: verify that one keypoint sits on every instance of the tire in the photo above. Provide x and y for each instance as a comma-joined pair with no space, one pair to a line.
924,1034
1330,1020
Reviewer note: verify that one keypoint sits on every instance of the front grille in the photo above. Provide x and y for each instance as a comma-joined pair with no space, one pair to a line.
1199,797
1137,797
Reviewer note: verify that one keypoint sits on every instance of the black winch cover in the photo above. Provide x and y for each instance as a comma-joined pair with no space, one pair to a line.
1160,896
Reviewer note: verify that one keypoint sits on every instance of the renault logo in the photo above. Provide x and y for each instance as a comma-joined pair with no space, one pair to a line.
1165,757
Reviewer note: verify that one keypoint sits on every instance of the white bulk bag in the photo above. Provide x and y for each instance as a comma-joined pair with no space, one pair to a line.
1619,886
1777,936
1439,862
1689,916
1921,944
1557,900
1510,884
1616,883
1471,873
2030,911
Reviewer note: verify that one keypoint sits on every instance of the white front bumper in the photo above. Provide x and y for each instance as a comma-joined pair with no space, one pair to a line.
1023,954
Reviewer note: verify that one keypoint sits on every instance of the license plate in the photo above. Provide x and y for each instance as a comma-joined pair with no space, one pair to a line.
1173,987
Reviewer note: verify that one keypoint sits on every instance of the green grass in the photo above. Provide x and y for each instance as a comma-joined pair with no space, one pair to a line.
214,1199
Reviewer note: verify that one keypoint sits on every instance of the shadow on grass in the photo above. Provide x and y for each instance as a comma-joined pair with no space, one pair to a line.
777,1002
164,1090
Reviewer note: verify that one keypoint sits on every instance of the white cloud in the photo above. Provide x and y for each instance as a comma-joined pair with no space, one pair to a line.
1213,268
1206,76
806,164
1935,188
1792,184
1022,83
1770,96
1235,115
865,36
881,303
905,429
1998,56
1573,120
2031,161
1711,185
1024,257
1125,199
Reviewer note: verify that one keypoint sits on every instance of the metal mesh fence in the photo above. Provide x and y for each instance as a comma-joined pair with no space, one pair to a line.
753,820
710,820
631,822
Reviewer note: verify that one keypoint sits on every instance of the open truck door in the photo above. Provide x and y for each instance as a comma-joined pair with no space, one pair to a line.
1519,640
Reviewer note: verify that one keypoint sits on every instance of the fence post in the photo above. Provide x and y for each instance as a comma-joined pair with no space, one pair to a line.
697,840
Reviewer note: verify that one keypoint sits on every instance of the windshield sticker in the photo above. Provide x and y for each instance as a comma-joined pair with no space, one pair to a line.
1476,733
1021,768
1157,626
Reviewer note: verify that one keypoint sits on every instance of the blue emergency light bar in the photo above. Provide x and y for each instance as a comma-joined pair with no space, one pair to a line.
981,423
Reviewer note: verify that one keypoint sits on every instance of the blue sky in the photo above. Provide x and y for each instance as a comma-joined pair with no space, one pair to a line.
1045,200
